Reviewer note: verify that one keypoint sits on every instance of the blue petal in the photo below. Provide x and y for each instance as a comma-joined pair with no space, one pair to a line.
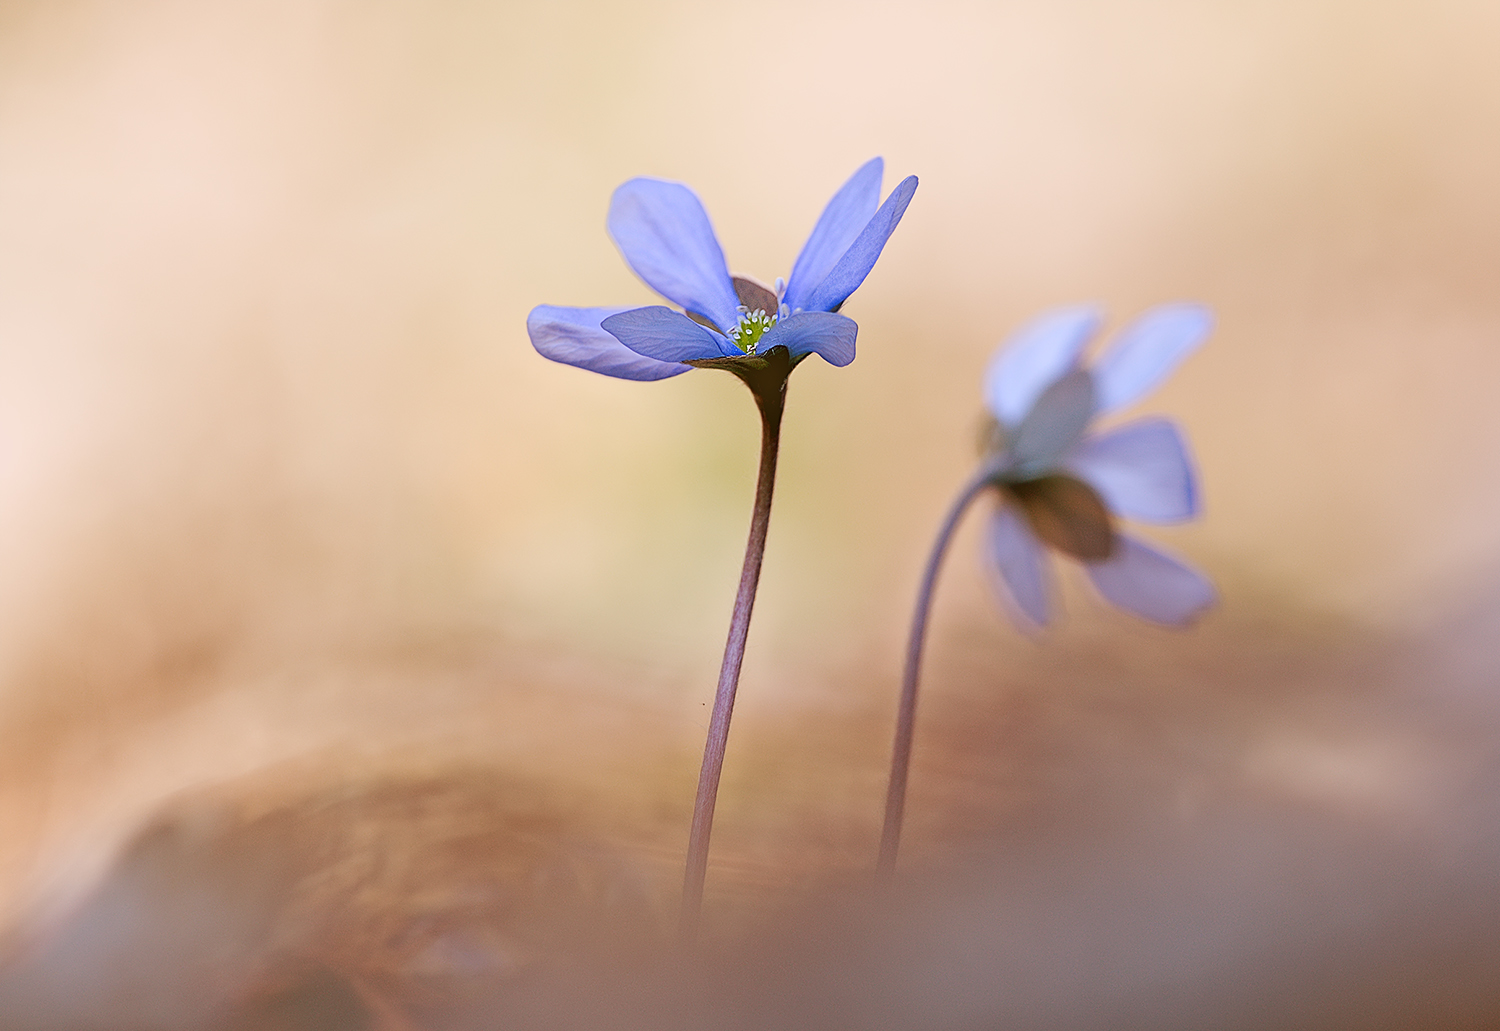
1147,351
1034,358
573,336
851,269
1054,424
838,227
665,236
1025,580
1142,471
1149,584
667,335
814,332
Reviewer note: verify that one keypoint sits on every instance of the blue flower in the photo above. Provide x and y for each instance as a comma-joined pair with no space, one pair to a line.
1063,488
666,238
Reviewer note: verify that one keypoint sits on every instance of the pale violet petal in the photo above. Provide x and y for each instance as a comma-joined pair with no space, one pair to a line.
814,332
1025,579
1142,470
1147,351
573,336
667,335
842,220
666,237
1149,584
851,269
1034,358
1054,424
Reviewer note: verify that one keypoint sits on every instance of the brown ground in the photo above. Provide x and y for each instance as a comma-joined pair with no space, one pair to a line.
1252,827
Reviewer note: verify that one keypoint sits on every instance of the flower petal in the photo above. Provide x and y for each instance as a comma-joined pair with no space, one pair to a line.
753,296
573,336
855,264
1149,584
814,332
1053,425
1025,581
667,335
666,237
838,227
1034,358
1147,351
1142,470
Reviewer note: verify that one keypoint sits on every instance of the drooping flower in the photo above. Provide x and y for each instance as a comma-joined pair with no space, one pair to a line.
665,236
1059,486
1065,488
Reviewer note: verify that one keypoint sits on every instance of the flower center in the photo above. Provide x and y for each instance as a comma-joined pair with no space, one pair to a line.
750,327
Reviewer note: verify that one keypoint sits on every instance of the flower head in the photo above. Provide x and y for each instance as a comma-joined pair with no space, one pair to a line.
1063,487
665,236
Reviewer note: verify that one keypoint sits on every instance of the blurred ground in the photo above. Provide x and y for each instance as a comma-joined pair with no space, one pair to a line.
299,533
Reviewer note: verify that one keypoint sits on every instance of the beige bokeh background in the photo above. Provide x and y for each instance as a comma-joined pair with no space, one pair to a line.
280,475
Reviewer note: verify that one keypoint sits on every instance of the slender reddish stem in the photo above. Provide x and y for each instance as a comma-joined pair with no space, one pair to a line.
906,718
770,397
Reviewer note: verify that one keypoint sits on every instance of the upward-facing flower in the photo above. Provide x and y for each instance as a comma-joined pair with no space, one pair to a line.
735,324
1064,488
665,236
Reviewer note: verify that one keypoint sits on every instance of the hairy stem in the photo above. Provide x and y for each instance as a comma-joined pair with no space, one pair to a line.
769,388
895,798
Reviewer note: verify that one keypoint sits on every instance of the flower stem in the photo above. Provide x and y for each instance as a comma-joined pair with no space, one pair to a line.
895,798
767,381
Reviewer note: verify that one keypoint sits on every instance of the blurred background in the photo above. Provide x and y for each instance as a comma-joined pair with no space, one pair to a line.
290,504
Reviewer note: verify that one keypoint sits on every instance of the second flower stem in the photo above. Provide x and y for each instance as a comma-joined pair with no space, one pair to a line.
906,718
770,398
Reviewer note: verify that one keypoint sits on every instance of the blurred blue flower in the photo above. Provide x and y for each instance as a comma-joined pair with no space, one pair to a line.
665,236
1062,487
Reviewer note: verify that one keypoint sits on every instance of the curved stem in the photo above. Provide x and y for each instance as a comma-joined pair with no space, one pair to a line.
895,798
770,398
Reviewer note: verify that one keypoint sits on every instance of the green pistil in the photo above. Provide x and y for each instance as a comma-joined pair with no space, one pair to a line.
750,327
